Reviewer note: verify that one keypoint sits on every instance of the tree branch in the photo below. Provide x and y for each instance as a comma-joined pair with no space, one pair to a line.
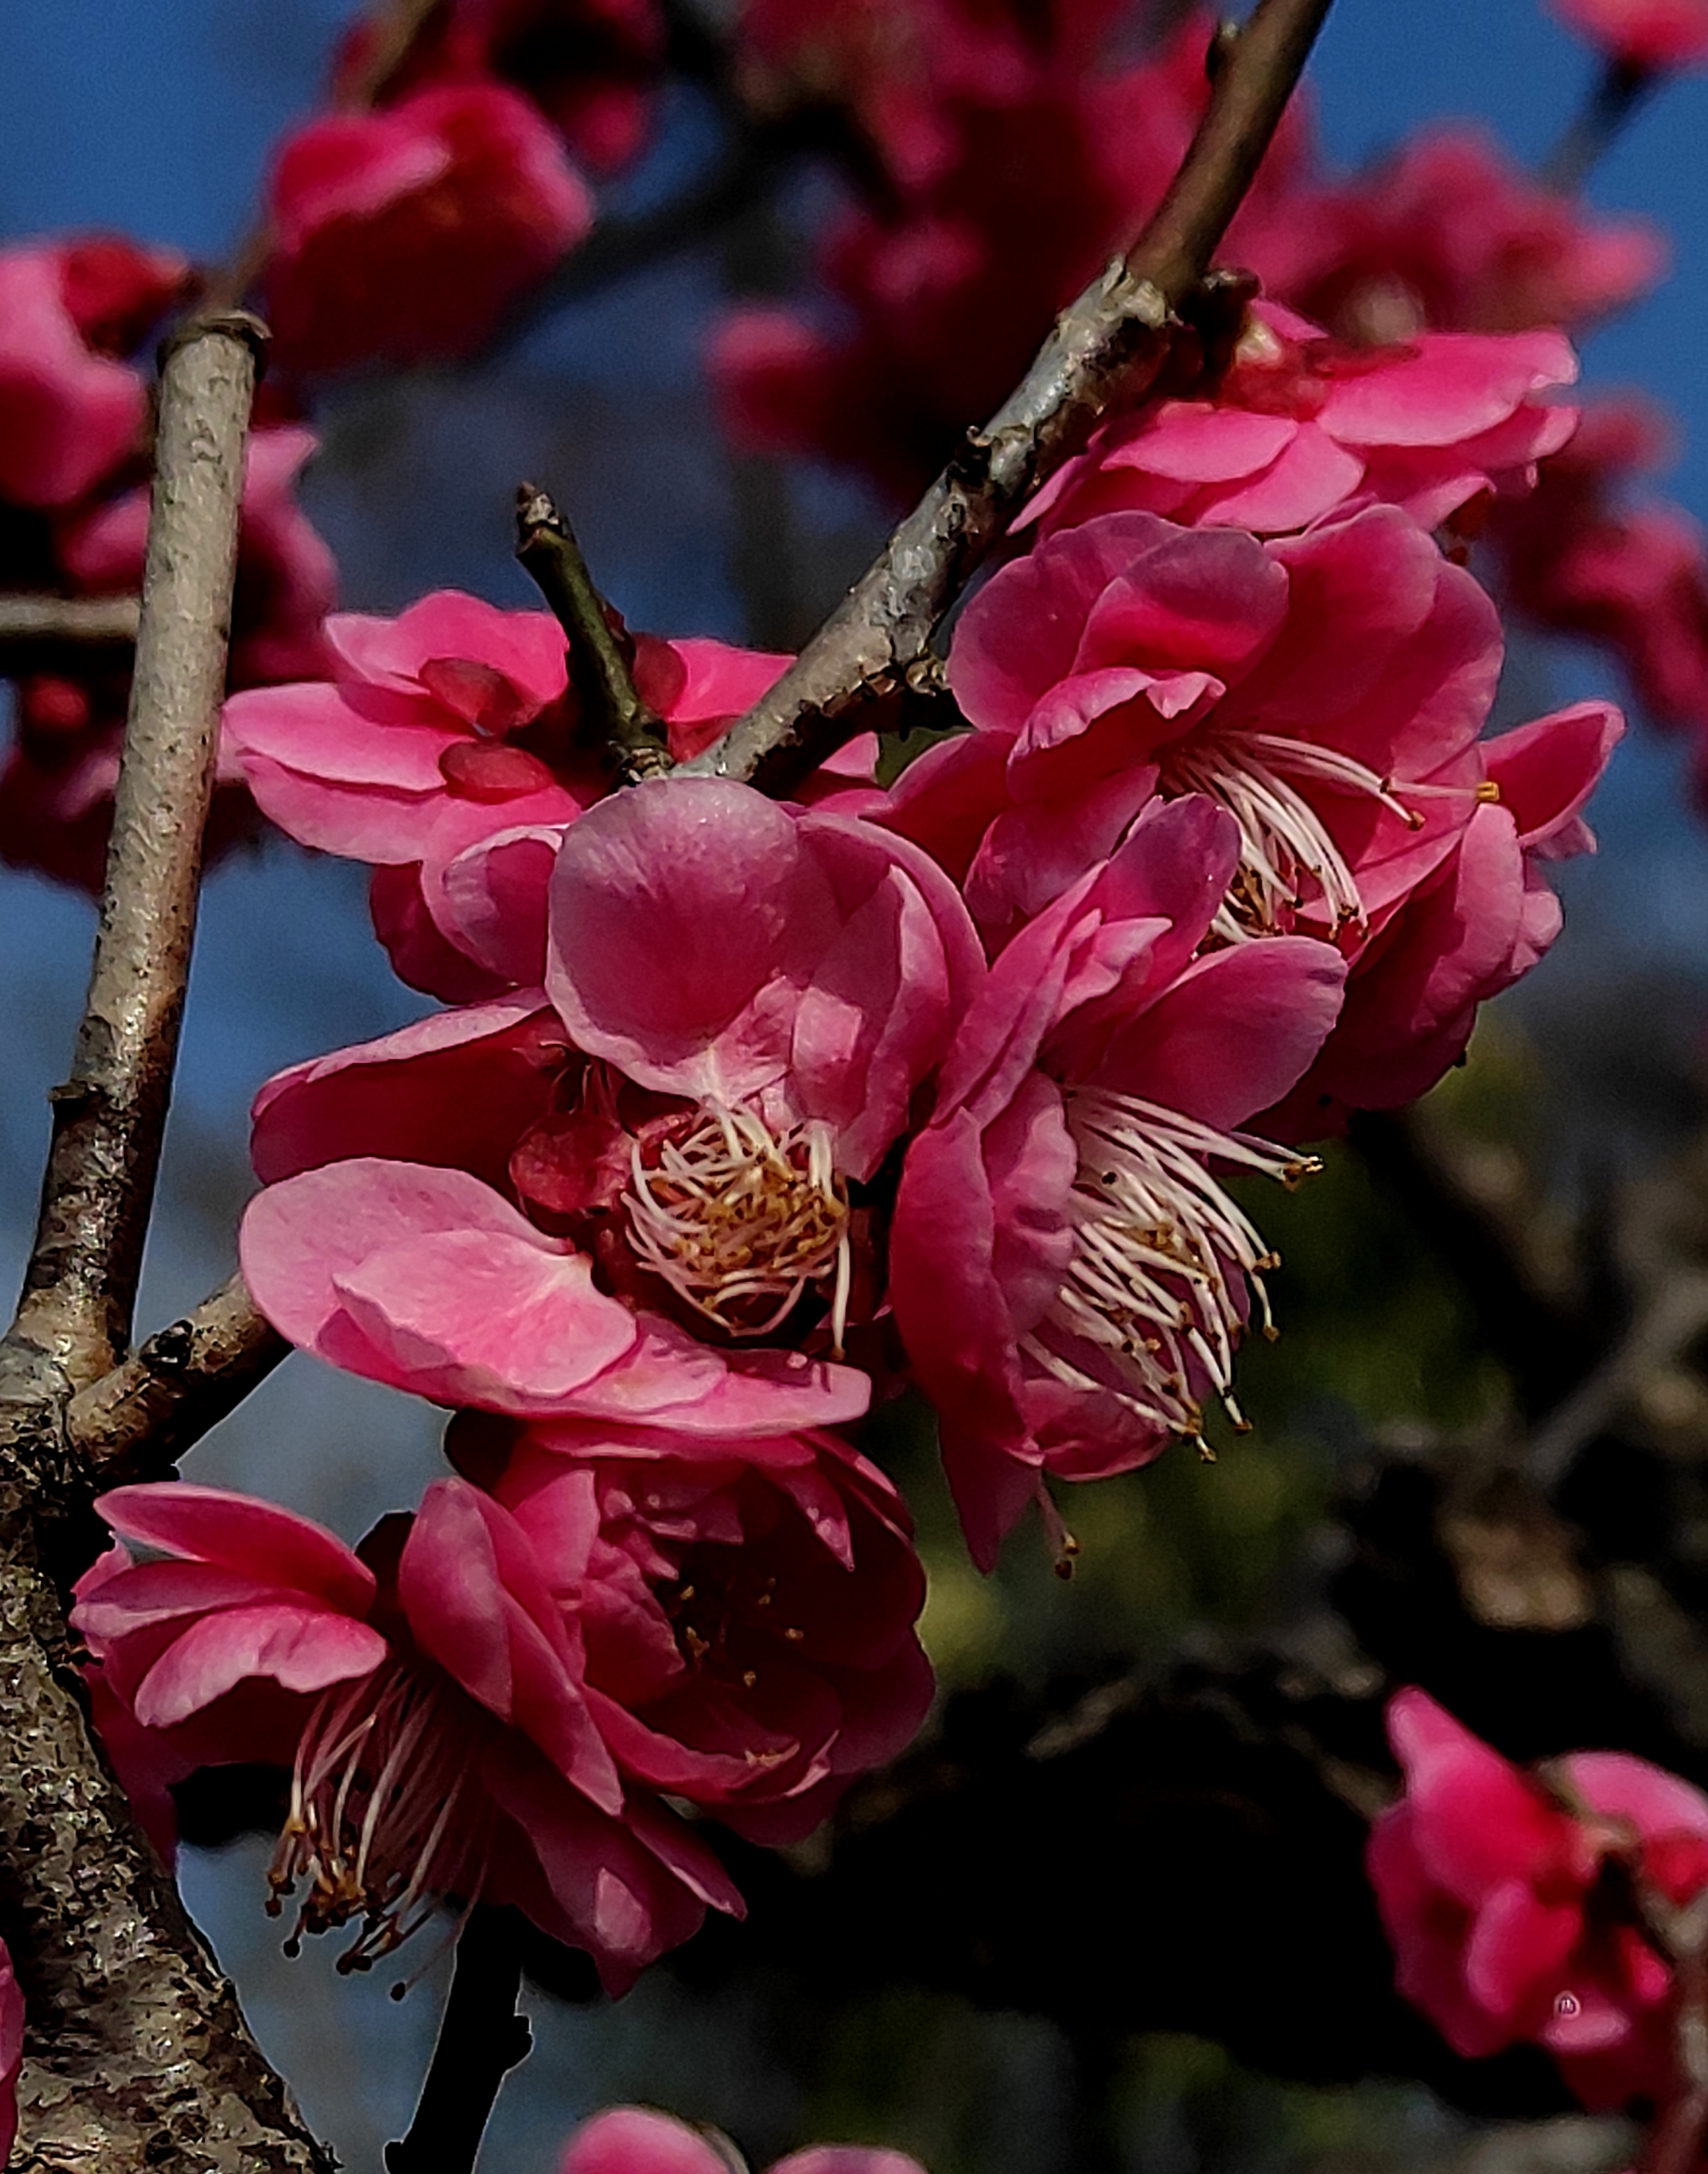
137,1421
481,2039
139,2054
109,1117
34,629
599,672
1109,345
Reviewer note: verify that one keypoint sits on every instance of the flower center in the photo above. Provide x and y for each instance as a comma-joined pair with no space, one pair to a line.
739,1222
385,1811
1286,852
1162,1261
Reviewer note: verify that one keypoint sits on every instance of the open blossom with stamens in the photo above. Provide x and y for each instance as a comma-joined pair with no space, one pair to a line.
748,1607
447,750
1301,423
1069,1276
428,1692
1328,690
637,1194
1515,1901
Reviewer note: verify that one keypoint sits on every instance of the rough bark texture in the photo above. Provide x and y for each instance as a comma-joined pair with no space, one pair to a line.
109,1116
138,2056
136,1422
1108,347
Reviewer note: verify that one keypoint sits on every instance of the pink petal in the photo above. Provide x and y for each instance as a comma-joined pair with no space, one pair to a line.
238,1532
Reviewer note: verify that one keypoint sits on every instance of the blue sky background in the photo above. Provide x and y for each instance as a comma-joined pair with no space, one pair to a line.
157,119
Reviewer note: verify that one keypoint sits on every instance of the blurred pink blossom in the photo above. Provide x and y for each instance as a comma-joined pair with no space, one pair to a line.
400,236
1495,1889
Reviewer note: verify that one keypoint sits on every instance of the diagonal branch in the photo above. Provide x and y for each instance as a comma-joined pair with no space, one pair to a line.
137,1421
1108,346
109,1116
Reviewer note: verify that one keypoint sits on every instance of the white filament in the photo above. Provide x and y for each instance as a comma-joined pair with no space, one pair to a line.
1284,842
739,1221
1162,1259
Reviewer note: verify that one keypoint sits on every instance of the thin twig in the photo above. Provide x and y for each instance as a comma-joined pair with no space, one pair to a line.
33,628
109,1117
481,2039
1621,89
136,1422
629,726
1107,346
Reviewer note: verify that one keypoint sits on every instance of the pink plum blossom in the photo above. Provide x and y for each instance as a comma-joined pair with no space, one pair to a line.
1301,423
592,66
446,748
1584,559
401,235
428,1692
72,410
1328,690
1448,235
636,2141
1642,34
1069,1278
748,1607
631,1197
1493,1886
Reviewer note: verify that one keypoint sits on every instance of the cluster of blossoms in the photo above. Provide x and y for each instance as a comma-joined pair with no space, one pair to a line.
940,281
1549,1909
738,1114
75,424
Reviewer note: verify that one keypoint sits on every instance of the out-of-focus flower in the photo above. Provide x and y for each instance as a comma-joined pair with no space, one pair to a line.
72,410
743,1002
636,2141
1069,1278
1643,34
1581,560
1016,179
1512,1900
401,236
1448,235
748,1607
453,727
592,66
429,1693
1301,423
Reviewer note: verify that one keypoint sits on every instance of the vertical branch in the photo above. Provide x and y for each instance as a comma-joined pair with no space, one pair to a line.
108,1119
481,2039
